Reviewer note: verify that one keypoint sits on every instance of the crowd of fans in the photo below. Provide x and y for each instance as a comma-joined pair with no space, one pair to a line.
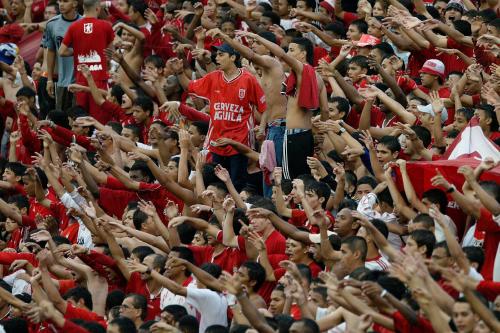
239,166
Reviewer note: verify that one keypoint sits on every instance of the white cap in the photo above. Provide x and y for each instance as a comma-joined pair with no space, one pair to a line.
316,238
428,109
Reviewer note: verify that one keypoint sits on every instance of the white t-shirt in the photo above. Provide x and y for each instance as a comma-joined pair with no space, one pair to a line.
168,298
438,231
378,264
211,305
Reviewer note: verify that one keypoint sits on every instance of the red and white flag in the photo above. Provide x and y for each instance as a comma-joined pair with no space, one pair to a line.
472,143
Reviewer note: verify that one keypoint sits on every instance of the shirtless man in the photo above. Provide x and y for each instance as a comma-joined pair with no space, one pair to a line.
132,41
271,79
299,141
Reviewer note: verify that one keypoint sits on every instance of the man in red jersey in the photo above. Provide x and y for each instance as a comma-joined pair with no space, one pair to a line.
86,40
233,93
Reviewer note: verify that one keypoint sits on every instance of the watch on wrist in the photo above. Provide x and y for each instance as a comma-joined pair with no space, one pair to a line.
451,189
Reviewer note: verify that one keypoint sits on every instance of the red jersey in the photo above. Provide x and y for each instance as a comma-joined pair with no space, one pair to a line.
299,219
73,312
491,239
275,243
228,259
89,37
454,63
138,286
231,107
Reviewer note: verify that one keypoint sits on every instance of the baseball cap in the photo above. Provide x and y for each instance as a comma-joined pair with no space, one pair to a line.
455,4
226,48
328,5
433,67
428,109
367,40
316,238
8,52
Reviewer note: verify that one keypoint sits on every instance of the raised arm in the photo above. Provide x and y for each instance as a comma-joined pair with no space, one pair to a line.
275,49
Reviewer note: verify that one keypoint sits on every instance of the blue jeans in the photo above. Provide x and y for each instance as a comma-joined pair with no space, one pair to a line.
276,134
237,167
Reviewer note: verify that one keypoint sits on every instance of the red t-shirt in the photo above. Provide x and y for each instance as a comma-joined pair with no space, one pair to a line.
452,62
89,37
228,259
138,286
491,239
73,312
118,113
231,107
417,59
299,219
275,243
406,84
404,326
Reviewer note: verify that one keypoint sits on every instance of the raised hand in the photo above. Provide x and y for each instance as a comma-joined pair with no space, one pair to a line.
229,205
222,173
439,180
147,207
231,283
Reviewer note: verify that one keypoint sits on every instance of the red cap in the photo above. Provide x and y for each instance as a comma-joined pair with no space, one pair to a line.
367,40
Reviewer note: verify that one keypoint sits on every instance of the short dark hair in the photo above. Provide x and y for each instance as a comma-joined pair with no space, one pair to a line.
275,19
125,325
309,325
467,112
212,269
322,190
423,134
438,197
142,252
424,238
17,168
475,254
256,273
367,180
305,45
155,60
385,48
444,245
139,302
26,92
216,329
177,311
381,227
463,26
138,6
343,105
136,131
79,293
143,167
391,142
139,219
425,219
117,92
360,61
361,25
188,324
356,243
186,254
145,103
201,126
21,201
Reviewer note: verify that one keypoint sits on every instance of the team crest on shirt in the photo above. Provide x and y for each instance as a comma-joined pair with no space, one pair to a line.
241,93
87,28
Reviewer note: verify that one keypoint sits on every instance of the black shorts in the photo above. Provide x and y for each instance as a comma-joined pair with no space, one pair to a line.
296,148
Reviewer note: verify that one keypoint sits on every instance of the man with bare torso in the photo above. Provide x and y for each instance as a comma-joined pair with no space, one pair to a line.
306,92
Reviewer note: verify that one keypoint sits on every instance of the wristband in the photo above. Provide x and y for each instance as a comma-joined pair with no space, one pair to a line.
451,189
383,293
